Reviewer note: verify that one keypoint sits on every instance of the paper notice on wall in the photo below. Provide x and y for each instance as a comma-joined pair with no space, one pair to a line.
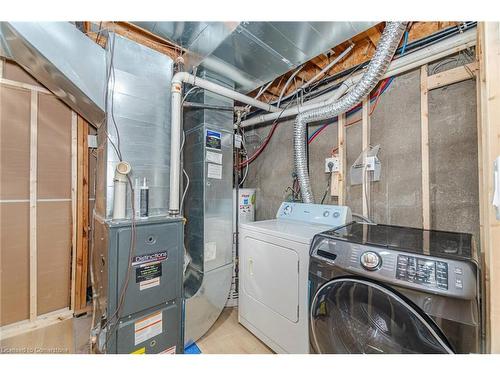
149,283
214,157
214,171
210,251
148,327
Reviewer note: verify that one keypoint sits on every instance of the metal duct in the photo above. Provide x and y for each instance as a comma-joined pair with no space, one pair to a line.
138,105
53,53
378,65
407,62
253,53
208,209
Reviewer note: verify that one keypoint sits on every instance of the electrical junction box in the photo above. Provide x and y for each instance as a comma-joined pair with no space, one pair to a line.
336,164
370,163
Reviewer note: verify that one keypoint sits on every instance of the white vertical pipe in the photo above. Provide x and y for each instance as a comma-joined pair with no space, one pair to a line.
176,125
175,148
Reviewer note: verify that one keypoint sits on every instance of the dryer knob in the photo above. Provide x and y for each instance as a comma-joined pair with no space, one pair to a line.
370,260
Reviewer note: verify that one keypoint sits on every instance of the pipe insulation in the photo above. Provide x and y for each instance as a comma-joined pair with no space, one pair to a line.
386,48
176,125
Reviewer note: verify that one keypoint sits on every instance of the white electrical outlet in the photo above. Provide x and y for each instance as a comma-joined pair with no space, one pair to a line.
335,163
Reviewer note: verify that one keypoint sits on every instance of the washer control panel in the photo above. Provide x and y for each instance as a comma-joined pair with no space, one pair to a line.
436,275
422,271
370,260
315,213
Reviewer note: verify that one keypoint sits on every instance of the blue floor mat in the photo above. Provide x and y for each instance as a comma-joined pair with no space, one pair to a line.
192,349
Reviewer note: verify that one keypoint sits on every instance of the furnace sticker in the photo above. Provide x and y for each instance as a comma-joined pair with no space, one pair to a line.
169,350
148,327
149,258
214,171
143,285
213,140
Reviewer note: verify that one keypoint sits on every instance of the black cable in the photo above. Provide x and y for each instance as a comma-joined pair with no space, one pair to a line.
410,47
116,147
327,186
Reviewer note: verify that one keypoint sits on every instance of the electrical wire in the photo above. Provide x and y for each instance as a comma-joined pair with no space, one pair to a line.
292,77
327,187
189,92
111,78
246,158
266,140
185,189
375,97
413,46
184,172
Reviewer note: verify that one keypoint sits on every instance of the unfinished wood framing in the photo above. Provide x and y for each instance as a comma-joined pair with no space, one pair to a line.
41,321
342,159
39,198
138,35
455,75
33,203
424,140
365,46
82,208
365,144
23,85
428,83
488,85
74,213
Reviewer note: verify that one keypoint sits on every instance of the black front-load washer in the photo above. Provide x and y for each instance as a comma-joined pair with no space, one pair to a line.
391,289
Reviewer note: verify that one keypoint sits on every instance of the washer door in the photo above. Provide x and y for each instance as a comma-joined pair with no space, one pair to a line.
356,315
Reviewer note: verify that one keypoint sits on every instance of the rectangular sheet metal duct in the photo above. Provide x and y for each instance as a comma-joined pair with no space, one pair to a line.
139,107
253,53
208,207
63,59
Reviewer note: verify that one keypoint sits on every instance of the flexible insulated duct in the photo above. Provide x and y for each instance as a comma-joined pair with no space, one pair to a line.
386,48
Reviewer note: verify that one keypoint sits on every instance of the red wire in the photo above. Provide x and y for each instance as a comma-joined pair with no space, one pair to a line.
271,132
260,149
377,94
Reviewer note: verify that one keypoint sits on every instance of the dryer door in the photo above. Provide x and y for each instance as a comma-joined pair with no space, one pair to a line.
356,315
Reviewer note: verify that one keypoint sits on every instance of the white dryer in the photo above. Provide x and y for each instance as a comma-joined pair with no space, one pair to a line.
273,279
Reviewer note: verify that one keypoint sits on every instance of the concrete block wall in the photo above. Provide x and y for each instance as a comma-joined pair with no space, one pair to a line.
395,125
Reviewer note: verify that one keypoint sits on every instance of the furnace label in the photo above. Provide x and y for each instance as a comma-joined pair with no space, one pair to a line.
148,272
213,140
214,157
214,171
148,327
149,258
143,285
169,350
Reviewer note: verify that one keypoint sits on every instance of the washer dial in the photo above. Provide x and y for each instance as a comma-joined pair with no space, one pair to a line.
370,260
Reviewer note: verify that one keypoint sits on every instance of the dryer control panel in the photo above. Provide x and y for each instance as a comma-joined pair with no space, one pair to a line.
315,213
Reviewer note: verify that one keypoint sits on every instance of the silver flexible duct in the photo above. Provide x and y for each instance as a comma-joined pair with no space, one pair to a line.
386,48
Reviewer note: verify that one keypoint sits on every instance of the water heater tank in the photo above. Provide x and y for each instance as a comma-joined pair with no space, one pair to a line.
243,212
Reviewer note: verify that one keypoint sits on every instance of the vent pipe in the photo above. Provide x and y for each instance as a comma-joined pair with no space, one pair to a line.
378,65
176,125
